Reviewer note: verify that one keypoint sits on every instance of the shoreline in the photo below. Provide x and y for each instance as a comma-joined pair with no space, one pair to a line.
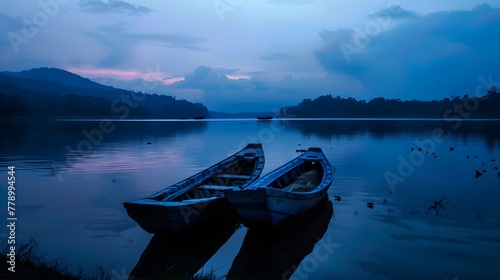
87,119
29,265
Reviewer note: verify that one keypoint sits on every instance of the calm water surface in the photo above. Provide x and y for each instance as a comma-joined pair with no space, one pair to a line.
72,202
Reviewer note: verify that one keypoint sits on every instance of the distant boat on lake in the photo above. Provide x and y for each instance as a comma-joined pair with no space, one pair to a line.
199,118
285,194
265,117
200,196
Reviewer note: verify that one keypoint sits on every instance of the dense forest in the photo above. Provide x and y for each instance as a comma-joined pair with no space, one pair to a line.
327,106
23,95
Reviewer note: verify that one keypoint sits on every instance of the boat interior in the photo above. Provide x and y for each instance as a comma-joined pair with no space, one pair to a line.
235,174
303,178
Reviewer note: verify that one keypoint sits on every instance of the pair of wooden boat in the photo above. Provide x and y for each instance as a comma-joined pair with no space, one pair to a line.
286,193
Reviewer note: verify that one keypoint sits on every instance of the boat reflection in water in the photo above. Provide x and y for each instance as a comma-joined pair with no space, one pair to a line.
267,254
180,254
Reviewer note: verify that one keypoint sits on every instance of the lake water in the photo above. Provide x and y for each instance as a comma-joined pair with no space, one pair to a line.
70,189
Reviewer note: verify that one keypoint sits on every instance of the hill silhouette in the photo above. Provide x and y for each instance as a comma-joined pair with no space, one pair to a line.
50,92
58,76
327,106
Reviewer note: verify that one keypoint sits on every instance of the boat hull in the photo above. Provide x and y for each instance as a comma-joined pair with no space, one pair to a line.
156,217
271,208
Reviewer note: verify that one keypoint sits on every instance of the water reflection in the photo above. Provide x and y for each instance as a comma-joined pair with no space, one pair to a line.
52,141
180,254
47,144
276,254
405,232
459,129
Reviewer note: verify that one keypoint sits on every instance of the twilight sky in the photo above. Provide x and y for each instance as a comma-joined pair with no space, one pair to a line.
259,55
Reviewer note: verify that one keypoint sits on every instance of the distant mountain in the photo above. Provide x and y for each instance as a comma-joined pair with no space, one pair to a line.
50,92
59,76
37,84
59,81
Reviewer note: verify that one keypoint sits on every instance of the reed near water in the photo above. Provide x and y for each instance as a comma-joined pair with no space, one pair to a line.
30,265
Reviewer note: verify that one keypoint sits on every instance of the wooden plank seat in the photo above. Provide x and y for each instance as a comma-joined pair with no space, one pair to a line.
214,187
233,176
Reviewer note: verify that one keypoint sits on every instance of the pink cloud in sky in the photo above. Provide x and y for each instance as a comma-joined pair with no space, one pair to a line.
172,80
127,75
117,74
237,77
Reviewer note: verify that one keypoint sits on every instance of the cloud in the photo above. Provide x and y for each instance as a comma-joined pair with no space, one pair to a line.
278,56
257,73
113,7
182,41
7,24
427,57
220,89
120,43
206,78
225,70
220,93
9,21
291,2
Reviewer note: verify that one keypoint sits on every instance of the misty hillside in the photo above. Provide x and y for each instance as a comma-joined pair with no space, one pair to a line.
58,76
50,92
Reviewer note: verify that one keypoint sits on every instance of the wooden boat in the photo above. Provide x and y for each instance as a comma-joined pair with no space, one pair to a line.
265,117
199,197
285,194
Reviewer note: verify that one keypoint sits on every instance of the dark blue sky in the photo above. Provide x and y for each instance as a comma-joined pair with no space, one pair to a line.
238,55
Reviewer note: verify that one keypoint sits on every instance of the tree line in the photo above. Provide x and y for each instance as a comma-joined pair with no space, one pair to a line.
19,101
327,106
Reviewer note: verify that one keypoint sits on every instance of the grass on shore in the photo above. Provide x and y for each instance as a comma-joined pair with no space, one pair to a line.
29,265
